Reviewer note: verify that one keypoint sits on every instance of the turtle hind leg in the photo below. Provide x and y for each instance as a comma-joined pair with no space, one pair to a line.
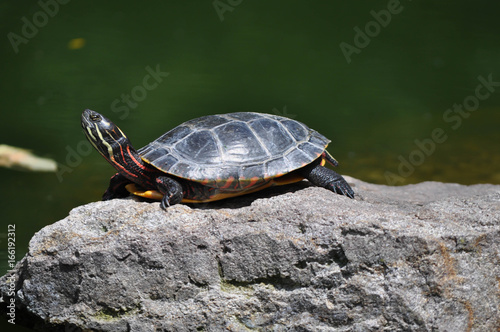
116,188
327,178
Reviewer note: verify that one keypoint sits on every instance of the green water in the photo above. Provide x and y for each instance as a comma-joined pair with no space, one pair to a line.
274,57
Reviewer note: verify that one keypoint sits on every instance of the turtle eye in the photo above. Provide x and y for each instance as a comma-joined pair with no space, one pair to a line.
94,117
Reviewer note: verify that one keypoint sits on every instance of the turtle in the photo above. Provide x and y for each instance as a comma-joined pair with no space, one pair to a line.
214,157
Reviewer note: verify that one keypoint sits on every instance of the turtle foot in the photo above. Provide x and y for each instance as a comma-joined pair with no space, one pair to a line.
116,188
329,179
341,187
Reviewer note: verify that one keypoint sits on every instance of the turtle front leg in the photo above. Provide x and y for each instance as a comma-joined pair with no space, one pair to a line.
329,179
116,187
172,191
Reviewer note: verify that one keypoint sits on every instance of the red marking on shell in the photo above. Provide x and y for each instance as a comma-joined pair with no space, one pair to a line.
252,182
228,183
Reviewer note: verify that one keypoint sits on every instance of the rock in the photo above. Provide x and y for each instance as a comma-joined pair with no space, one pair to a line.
298,258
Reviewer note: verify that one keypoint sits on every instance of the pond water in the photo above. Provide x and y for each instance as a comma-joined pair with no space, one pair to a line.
407,91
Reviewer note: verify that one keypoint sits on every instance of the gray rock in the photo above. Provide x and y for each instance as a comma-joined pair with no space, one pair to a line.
421,257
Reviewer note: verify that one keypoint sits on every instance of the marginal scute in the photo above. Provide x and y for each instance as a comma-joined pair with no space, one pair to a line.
252,182
277,166
182,168
297,157
214,172
246,146
318,140
165,162
161,155
225,173
251,171
311,150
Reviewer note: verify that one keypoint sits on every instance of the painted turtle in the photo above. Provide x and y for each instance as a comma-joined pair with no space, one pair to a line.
214,157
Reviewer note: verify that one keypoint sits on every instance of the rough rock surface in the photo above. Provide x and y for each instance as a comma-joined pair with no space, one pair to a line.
421,257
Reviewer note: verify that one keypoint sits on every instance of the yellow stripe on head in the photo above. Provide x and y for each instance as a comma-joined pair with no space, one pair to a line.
90,134
103,141
121,132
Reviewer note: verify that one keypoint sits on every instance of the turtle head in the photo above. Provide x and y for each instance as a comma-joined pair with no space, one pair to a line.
112,143
105,136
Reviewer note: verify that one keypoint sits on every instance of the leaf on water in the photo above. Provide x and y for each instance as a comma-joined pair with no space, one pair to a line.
76,43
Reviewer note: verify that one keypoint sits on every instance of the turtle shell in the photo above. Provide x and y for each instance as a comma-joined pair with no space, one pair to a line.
236,146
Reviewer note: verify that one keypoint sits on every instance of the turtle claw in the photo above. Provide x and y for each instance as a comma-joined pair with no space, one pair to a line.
169,200
341,187
110,194
164,204
171,190
107,195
